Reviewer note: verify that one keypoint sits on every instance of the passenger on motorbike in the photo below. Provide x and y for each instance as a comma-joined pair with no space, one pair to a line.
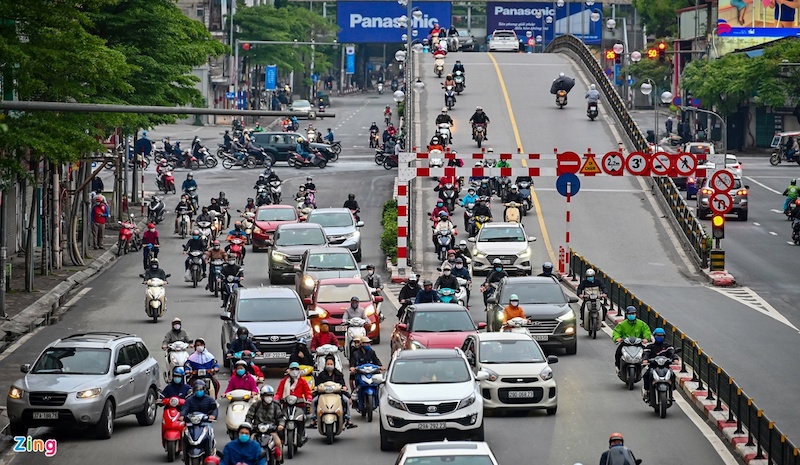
470,198
242,343
150,237
479,117
444,224
201,359
512,310
200,402
513,195
178,387
184,207
589,281
427,295
446,280
271,175
268,412
616,441
331,374
362,353
407,294
390,131
792,193
242,379
243,451
460,271
631,327
261,181
301,354
189,182
592,96
303,149
493,278
237,231
177,333
438,210
226,140
660,346
194,244
463,252
197,145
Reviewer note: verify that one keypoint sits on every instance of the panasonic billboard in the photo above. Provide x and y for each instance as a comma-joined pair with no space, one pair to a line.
377,21
546,19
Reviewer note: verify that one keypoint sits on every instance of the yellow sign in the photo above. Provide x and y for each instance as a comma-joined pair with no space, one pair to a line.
590,167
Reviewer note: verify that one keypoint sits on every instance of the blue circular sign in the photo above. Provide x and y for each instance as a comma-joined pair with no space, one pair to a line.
571,179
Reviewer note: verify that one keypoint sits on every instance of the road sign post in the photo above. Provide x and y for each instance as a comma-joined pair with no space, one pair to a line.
568,184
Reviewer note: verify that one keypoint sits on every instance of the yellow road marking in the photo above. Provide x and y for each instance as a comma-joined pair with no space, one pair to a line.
534,197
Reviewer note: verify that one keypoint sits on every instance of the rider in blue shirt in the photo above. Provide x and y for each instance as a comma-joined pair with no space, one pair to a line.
189,182
471,197
178,386
329,136
427,294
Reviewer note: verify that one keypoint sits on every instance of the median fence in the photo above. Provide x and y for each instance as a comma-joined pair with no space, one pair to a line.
693,231
735,413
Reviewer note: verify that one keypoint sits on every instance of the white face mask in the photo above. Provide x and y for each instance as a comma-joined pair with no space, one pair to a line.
200,349
294,373
446,272
459,265
371,272
176,327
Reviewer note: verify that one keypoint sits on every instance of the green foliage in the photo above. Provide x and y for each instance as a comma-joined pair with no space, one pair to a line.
659,15
389,234
724,83
649,68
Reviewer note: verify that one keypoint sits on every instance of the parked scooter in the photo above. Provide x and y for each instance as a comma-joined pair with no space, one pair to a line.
128,239
172,428
295,430
630,364
175,356
367,390
330,410
662,383
355,329
199,438
239,401
155,298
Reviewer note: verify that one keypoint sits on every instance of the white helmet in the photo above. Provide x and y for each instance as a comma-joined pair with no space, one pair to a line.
561,75
591,87
444,109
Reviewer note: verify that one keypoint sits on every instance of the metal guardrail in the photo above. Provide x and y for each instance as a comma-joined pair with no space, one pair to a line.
761,432
692,229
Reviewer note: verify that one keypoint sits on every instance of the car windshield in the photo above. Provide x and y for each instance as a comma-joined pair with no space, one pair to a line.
330,293
73,360
534,293
276,214
503,35
463,33
515,351
510,234
449,370
331,261
442,322
331,220
269,309
304,236
301,104
449,460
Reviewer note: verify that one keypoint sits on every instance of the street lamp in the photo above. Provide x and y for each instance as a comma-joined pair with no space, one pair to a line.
666,97
560,4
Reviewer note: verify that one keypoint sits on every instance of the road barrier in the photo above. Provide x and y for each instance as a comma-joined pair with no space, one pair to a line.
720,391
693,231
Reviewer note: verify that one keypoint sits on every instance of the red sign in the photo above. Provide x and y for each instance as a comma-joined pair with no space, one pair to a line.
567,162
613,163
638,164
720,203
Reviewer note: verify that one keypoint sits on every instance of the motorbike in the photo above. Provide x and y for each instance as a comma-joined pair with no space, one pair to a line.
336,148
262,196
317,159
395,85
461,292
230,160
172,428
517,325
129,239
319,357
561,98
155,210
435,159
796,232
275,191
449,97
629,370
166,181
380,155
195,271
206,232
448,196
199,439
209,160
444,242
380,88
479,134
374,139
355,328
330,410
512,212
480,220
150,254
155,298
391,161
502,184
662,383
458,77
222,151
469,213
443,130
215,276
593,321
207,377
438,66
447,295
236,249
184,223
263,434
295,410
591,111
192,193
216,223
175,356
525,191
231,284
366,390
239,401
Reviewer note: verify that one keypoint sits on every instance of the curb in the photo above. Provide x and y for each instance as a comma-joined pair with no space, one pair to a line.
720,278
394,271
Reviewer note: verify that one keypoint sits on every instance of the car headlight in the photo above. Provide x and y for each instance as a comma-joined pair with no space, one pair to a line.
417,345
89,393
466,402
492,375
478,254
396,403
546,374
569,315
15,393
307,335
277,256
370,311
526,253
352,235
308,281
500,315
322,313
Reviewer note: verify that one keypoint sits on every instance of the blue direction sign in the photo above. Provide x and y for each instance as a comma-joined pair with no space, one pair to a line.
315,78
568,178
230,95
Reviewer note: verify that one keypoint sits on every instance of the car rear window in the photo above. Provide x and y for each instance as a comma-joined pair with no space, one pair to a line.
330,261
442,322
269,309
534,293
73,360
276,214
331,293
510,234
331,219
503,35
303,236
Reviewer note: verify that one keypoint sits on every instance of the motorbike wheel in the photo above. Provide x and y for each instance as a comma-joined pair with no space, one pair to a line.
172,451
775,159
120,246
194,280
386,164
480,142
216,289
335,157
227,163
250,163
211,161
369,408
379,159
631,377
593,327
194,165
322,164
291,444
337,149
662,404
329,434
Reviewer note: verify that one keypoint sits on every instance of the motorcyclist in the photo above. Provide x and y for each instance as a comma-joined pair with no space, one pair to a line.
451,259
616,447
324,336
513,195
239,150
463,252
438,210
303,148
261,181
589,281
361,354
150,237
222,200
660,346
184,207
197,145
444,224
244,450
446,280
242,343
177,387
461,271
482,208
631,327
407,294
792,193
250,206
435,144
301,354
374,129
177,333
494,277
204,215
479,117
268,412
445,118
293,384
154,271
201,359
560,81
547,270
215,253
352,204
458,66
435,31
237,231
512,310
329,137
309,185
195,243
331,374
427,295
271,175
226,140
372,279
470,198
390,131
354,310
200,402
189,182
242,379
592,96
230,268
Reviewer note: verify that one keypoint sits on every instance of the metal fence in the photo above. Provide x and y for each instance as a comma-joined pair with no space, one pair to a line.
721,388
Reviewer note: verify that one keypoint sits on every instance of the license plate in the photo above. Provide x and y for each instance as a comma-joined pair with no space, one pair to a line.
433,425
45,415
520,394
505,262
201,372
275,355
340,329
539,337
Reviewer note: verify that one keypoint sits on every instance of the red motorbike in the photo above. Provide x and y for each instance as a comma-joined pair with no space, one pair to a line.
128,240
317,159
237,249
166,181
172,428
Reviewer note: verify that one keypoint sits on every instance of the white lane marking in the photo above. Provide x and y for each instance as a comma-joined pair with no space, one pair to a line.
764,185
77,297
756,224
790,242
773,233
776,211
750,298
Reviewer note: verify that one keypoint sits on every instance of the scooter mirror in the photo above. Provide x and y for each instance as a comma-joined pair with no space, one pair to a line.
141,276
168,275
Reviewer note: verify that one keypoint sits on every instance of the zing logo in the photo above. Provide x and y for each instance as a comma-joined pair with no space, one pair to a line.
27,444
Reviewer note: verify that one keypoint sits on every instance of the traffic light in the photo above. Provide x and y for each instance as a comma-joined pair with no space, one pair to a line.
246,47
662,51
652,53
617,58
611,55
718,227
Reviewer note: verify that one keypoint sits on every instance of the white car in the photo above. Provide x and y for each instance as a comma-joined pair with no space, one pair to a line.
731,163
304,106
429,394
450,452
504,41
506,242
519,373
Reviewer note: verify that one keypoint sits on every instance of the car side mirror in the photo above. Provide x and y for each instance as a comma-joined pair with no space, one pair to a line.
167,275
225,316
360,224
402,326
122,369
377,299
747,187
378,378
491,300
552,359
25,368
482,325
362,267
531,239
573,300
471,239
268,243
482,376
307,301
638,461
471,359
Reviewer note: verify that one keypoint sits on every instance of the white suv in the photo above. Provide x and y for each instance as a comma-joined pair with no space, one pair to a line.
427,394
451,452
506,242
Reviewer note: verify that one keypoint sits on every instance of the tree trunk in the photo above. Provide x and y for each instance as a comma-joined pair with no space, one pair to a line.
29,244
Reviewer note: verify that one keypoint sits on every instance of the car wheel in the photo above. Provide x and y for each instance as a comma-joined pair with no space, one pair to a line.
148,416
273,279
573,349
105,427
552,410
377,339
479,434
386,444
743,215
18,429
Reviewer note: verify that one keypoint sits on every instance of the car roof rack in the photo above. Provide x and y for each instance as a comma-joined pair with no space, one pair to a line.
112,334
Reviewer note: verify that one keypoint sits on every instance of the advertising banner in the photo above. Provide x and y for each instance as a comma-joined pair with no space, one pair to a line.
271,77
757,18
376,22
547,19
350,66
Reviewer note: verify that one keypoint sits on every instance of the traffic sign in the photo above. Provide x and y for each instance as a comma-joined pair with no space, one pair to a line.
567,162
230,95
720,203
685,164
613,163
660,164
571,179
722,181
637,164
590,167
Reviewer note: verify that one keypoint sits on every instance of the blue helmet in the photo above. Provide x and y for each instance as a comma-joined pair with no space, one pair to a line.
630,309
178,371
659,332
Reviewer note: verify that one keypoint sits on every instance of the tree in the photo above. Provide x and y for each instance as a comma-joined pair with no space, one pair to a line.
776,82
658,72
659,15
725,83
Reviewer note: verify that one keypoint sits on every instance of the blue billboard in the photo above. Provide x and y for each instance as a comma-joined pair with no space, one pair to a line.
547,20
376,22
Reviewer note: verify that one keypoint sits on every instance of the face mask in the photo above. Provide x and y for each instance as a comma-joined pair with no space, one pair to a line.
459,266
329,368
232,262
590,279
201,349
242,338
244,437
196,237
240,372
439,204
267,399
200,393
216,247
659,339
152,229
498,269
371,272
631,317
177,380
176,327
294,373
514,303
446,272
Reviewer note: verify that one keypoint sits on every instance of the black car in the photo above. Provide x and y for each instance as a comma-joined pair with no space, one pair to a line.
279,144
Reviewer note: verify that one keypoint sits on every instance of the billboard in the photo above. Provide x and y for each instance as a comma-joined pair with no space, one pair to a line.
757,18
376,22
547,19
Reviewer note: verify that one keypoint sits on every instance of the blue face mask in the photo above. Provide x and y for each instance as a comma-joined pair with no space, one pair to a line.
200,393
590,279
177,380
240,372
244,437
498,269
242,338
631,317
196,237
659,339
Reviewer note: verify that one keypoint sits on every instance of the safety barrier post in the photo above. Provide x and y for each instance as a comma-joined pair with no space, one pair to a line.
710,396
738,411
683,350
750,442
759,452
718,407
619,304
730,399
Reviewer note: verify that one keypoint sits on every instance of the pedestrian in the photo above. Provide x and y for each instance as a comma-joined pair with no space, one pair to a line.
100,215
668,125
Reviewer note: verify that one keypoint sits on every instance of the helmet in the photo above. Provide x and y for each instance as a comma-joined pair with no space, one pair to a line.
484,198
561,75
630,309
794,182
153,261
351,196
447,267
150,226
478,163
513,297
237,224
189,176
215,243
261,176
547,266
444,109
245,424
478,108
471,189
592,87
242,363
458,61
299,139
198,385
659,332
196,232
615,437
200,341
221,195
355,299
427,282
250,200
412,277
497,261
514,187
178,371
266,390
242,331
303,341
443,214
590,272
308,178
463,242
176,319
459,260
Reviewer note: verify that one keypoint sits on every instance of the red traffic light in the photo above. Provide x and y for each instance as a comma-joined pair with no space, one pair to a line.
246,46
662,46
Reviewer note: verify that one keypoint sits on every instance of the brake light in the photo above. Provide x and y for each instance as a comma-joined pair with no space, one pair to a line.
690,180
707,191
741,192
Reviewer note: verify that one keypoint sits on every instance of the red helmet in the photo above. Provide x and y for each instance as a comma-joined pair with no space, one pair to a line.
616,437
451,251
150,226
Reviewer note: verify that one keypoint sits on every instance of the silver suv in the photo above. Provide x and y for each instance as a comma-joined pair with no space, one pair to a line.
506,242
738,193
288,244
86,379
341,229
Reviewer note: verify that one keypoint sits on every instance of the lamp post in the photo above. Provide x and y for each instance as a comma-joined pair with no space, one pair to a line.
561,4
547,20
647,88
724,127
610,25
636,57
407,21
588,3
